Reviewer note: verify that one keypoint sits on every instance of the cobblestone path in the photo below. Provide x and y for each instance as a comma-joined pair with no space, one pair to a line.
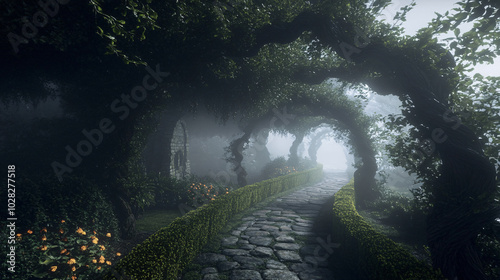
277,241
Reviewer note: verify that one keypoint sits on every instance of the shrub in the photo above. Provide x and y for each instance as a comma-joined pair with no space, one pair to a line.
372,254
304,164
193,191
44,202
489,244
277,167
164,254
169,192
399,210
41,205
61,252
200,193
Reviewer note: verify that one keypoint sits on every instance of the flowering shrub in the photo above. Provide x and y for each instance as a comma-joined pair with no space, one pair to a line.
200,193
283,171
44,202
169,191
277,167
63,253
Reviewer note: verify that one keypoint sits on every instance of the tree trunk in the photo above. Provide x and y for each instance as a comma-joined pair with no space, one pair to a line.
316,144
236,148
294,157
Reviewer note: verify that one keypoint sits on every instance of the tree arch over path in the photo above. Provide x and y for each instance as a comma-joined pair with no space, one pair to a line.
417,71
423,79
319,105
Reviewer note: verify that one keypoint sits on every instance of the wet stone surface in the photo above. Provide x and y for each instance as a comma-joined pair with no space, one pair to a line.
276,241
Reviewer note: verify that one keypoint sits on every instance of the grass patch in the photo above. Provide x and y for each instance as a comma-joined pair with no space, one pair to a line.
154,220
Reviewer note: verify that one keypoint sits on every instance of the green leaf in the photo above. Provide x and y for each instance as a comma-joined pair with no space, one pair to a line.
46,262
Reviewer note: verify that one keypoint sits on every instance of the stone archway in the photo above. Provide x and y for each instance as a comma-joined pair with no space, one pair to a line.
166,151
179,148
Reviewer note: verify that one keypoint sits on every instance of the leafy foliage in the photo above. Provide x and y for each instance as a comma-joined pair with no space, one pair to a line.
167,252
375,255
44,202
481,43
280,166
140,16
61,252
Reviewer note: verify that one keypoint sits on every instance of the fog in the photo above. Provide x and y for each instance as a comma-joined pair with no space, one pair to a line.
331,154
209,139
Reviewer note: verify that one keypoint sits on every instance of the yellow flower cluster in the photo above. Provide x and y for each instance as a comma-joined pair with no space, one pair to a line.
207,191
285,170
80,231
72,253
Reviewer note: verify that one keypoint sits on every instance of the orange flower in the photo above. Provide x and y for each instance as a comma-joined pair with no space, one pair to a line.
102,248
73,277
99,268
95,232
101,259
44,229
73,268
95,240
71,261
118,254
18,235
43,248
53,268
83,248
94,261
63,221
79,230
44,238
30,231
108,262
84,233
61,231
63,251
108,234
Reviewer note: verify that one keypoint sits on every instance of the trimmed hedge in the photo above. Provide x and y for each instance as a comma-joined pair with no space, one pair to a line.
372,254
167,252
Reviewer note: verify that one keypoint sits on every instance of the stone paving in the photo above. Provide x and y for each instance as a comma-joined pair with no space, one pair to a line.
277,241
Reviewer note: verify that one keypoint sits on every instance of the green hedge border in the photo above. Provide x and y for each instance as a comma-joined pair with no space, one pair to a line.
370,253
167,252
